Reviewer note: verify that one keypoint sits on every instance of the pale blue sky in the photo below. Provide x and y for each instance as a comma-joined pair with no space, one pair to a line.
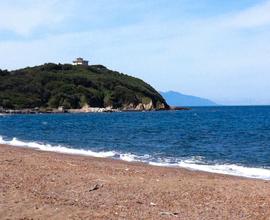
218,49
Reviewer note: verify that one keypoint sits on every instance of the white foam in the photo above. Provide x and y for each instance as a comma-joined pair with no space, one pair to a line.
193,163
230,169
162,164
133,158
128,157
56,148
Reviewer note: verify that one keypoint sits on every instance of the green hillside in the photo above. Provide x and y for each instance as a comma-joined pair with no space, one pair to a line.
73,87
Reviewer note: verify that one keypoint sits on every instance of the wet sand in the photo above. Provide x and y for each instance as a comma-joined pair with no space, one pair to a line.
46,185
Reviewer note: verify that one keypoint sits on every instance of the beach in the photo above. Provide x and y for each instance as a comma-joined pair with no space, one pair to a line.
46,185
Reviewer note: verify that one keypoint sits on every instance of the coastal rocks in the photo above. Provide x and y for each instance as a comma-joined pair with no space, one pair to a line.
129,107
146,105
22,111
139,107
161,106
175,108
149,106
88,109
142,106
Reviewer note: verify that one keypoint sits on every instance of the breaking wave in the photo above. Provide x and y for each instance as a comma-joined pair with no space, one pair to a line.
193,163
56,148
229,169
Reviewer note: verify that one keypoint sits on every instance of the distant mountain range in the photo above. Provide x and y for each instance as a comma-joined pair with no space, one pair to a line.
178,99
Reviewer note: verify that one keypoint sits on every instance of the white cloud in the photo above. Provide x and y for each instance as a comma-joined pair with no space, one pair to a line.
210,57
256,16
22,17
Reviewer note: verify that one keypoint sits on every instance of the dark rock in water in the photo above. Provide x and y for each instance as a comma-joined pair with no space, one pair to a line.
179,108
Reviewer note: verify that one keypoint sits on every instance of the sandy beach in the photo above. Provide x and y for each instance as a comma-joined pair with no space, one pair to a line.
46,185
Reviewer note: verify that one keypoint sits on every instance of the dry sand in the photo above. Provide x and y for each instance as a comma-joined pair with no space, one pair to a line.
45,185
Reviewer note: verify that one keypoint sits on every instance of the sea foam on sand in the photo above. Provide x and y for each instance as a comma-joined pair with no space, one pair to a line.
193,163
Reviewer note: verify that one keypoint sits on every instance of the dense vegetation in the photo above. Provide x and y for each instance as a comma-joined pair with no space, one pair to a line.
53,85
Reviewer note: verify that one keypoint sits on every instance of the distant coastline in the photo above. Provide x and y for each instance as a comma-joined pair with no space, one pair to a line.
83,110
179,99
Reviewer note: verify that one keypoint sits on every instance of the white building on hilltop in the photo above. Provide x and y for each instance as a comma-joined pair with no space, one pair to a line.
80,61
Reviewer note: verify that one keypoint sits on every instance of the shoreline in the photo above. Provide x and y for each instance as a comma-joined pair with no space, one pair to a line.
41,185
84,110
126,162
223,169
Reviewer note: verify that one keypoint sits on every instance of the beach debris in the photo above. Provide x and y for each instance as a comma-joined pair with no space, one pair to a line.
96,187
153,204
175,214
10,161
139,202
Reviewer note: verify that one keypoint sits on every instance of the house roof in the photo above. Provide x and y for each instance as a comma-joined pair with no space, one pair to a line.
79,59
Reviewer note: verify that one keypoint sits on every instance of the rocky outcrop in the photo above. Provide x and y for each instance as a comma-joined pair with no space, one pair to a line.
87,109
147,106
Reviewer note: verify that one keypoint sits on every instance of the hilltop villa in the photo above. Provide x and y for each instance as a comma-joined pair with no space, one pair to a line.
80,61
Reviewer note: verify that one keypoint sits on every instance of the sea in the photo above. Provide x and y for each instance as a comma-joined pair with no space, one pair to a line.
225,140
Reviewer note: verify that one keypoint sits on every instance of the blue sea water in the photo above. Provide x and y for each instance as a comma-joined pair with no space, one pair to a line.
229,140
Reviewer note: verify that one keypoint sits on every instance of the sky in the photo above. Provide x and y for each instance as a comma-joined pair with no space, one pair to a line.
209,48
